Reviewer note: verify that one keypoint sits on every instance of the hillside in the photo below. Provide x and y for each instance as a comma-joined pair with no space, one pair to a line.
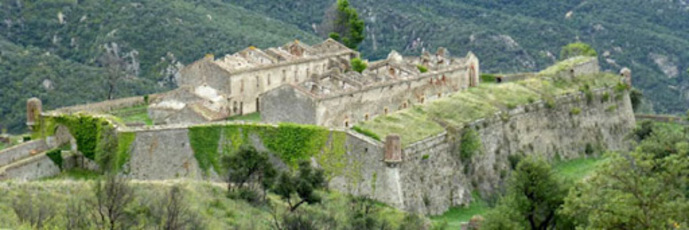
60,42
158,36
650,37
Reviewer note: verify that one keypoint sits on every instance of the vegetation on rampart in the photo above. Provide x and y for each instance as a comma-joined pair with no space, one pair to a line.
289,142
95,136
485,101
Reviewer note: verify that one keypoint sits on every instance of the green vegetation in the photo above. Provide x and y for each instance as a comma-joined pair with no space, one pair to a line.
488,78
76,174
470,146
458,215
577,169
95,138
344,25
290,142
67,203
358,65
136,114
575,111
577,49
479,102
643,189
366,132
55,155
39,47
60,62
422,68
534,194
517,36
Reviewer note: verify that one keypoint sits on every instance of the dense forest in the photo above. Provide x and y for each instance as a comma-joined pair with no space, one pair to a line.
53,49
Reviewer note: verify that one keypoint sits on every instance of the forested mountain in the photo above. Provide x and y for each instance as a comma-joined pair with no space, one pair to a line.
53,48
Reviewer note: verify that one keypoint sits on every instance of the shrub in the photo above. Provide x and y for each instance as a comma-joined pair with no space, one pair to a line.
605,98
577,49
488,78
470,145
575,111
366,132
358,65
425,157
56,156
589,149
422,68
635,97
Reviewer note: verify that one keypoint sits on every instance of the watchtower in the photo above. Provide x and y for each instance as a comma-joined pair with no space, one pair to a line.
626,75
393,150
34,107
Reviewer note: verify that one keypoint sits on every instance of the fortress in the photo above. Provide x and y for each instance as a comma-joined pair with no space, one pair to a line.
393,132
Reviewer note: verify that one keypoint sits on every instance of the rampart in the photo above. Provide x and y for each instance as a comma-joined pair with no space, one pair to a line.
430,177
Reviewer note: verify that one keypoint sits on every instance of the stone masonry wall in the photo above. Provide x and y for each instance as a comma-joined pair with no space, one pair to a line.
433,178
21,151
430,179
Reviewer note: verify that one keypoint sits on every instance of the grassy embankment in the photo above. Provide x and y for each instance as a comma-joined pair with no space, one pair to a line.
422,121
572,170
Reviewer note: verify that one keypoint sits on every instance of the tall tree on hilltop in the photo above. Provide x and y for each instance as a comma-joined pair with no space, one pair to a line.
342,23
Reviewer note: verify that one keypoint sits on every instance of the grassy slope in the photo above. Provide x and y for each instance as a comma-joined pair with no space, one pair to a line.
205,199
475,103
572,170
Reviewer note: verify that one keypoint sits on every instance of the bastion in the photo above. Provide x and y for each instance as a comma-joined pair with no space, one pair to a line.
393,132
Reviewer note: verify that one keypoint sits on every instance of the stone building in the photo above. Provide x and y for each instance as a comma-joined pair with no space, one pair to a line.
214,89
341,99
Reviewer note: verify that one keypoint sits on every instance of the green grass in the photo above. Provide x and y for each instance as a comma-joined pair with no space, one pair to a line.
483,101
207,200
577,169
246,117
76,174
572,170
458,215
136,114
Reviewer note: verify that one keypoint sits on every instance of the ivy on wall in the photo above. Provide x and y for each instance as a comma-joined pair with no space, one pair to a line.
96,138
56,156
289,142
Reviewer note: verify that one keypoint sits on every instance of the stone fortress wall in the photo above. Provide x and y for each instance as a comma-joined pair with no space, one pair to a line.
231,85
426,176
341,100
429,177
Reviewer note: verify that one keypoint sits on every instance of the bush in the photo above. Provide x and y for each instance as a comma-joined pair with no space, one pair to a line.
366,132
470,145
577,49
488,78
575,111
422,68
358,65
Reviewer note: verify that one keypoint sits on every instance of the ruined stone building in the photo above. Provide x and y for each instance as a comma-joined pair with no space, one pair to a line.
341,99
213,89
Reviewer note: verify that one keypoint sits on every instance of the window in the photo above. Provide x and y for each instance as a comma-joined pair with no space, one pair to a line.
241,86
386,110
268,79
366,116
284,76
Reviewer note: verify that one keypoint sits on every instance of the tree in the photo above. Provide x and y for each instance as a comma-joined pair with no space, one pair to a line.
533,196
645,189
358,65
112,196
116,67
303,184
247,169
577,49
341,22
172,212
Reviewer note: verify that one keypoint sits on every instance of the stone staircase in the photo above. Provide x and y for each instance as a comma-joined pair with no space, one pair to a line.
27,161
